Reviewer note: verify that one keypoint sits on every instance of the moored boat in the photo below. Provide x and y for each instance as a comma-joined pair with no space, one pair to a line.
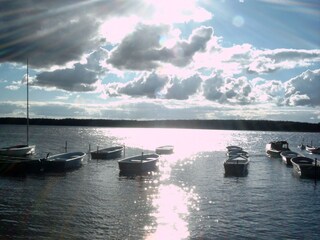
286,156
234,148
18,165
107,153
63,161
139,163
167,149
234,153
313,149
18,150
236,166
306,167
274,148
25,149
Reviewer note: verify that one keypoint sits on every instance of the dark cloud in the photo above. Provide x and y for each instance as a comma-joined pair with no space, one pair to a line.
181,89
141,50
303,90
53,32
183,51
80,78
148,85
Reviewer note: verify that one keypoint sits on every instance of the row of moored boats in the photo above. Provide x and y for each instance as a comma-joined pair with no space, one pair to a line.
18,159
305,167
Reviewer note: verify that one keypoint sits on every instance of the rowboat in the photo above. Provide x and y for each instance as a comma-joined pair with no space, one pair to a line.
167,149
139,163
63,161
286,156
236,166
18,165
306,167
107,153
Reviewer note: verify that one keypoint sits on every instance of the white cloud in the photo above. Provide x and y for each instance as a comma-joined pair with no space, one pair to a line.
303,90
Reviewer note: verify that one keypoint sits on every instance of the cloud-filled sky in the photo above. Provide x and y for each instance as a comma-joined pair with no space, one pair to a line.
150,59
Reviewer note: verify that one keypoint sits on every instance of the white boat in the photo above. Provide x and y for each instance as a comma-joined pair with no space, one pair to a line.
139,163
18,150
273,149
107,153
286,156
313,149
63,161
167,149
306,167
236,166
21,150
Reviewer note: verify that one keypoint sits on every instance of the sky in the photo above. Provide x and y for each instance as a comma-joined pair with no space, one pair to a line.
157,60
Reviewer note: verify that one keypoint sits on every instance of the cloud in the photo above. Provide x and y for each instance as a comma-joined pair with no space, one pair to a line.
56,32
181,89
303,90
266,61
141,50
80,78
148,85
228,90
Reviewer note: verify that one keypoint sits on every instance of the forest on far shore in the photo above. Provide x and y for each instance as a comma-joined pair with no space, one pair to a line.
253,125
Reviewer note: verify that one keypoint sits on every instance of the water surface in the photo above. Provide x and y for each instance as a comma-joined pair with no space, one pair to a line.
189,198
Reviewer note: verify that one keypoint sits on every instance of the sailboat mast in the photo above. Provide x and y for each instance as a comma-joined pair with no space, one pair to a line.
27,102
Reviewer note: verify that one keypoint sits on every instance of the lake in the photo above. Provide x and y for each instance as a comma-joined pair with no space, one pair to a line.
188,198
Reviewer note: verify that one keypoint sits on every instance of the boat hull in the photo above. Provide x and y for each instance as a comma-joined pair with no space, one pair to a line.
313,150
236,169
139,164
18,166
18,151
63,162
306,167
164,150
107,153
286,157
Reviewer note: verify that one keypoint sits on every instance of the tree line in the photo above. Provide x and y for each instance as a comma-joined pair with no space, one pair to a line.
253,125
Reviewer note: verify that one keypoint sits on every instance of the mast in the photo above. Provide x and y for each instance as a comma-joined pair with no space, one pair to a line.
27,103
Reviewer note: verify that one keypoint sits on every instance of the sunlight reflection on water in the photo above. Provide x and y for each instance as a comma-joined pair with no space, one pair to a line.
171,213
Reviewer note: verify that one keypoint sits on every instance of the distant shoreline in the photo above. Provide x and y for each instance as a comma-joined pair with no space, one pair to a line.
253,125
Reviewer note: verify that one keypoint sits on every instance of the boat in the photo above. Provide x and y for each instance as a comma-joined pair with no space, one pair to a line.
234,148
139,163
236,166
286,156
25,149
237,152
107,153
274,148
167,149
63,161
18,150
313,149
306,167
18,165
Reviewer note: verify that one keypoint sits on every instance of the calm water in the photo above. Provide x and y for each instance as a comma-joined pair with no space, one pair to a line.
189,198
